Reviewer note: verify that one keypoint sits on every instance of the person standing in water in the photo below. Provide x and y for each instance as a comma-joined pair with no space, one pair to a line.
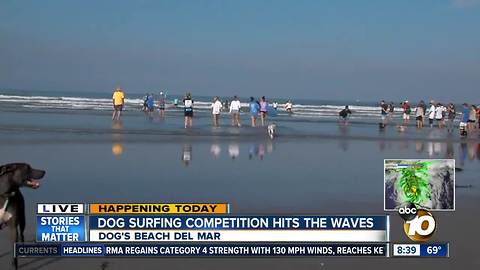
464,120
424,106
419,113
406,112
161,104
451,113
344,114
235,107
118,100
188,110
216,108
275,105
254,108
263,110
150,102
440,114
145,99
472,117
289,106
383,112
391,110
431,113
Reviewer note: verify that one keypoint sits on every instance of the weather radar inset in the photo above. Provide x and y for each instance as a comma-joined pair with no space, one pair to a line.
426,183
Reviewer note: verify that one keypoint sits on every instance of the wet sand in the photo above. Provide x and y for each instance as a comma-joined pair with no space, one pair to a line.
327,170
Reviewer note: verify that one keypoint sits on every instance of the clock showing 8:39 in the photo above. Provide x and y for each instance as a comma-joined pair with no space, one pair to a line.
406,250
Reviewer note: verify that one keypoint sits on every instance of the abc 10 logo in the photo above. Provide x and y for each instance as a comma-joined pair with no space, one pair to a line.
419,224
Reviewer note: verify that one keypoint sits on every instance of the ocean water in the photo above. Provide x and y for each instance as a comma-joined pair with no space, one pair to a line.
314,166
15,99
88,113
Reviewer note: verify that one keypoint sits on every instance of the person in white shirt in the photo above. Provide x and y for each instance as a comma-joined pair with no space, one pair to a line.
431,113
439,113
235,107
289,106
216,108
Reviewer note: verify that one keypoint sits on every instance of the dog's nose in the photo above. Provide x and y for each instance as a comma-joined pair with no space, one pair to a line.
37,174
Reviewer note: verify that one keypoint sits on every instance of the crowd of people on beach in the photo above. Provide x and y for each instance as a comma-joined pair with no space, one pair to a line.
437,113
257,108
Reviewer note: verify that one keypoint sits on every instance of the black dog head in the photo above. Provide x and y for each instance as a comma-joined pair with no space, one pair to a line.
16,175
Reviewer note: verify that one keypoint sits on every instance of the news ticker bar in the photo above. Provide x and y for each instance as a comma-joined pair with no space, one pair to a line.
231,250
421,250
200,250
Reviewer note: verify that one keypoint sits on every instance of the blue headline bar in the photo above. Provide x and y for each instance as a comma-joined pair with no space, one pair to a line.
239,222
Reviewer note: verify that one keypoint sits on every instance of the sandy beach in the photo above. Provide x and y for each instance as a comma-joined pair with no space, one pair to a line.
312,167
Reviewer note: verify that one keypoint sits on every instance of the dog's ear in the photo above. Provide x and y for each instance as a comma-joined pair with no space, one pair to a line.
7,168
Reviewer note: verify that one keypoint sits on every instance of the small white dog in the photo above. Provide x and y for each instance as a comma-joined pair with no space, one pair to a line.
272,130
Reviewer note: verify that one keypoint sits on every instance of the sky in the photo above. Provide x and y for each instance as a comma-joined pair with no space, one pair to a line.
341,50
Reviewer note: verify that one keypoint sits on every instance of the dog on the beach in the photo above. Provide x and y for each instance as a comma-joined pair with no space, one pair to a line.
401,128
272,130
13,176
